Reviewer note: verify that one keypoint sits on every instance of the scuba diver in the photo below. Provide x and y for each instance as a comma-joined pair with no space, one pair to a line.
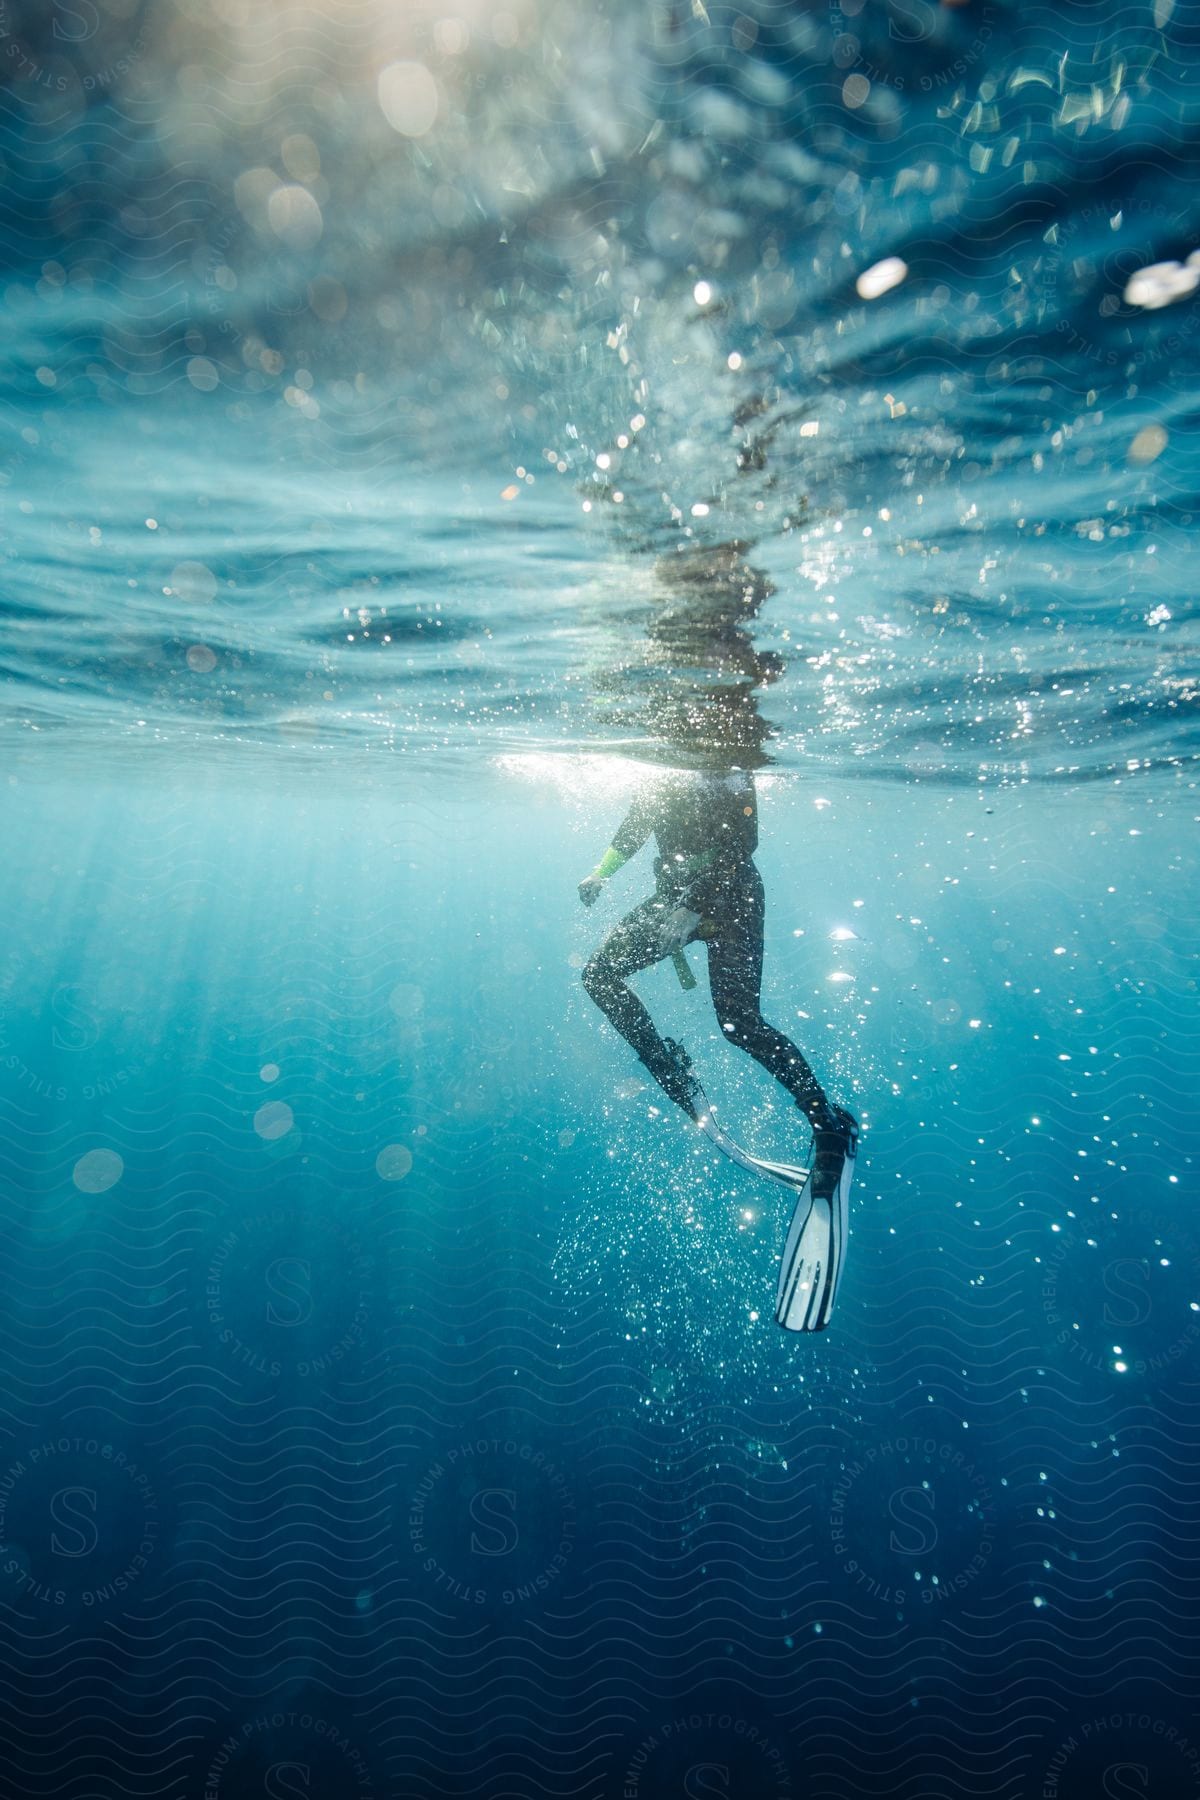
689,691
708,890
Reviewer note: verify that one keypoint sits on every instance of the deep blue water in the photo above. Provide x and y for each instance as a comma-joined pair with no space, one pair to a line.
391,1399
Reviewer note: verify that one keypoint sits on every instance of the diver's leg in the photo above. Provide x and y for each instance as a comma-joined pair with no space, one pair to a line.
630,946
735,958
735,979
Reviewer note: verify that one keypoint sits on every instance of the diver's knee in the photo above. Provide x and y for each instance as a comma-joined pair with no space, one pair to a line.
740,1026
597,979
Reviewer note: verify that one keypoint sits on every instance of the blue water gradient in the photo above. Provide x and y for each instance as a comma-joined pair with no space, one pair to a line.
450,1365
392,1403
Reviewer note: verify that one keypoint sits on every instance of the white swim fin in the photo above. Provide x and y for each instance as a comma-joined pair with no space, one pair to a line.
816,1239
812,1256
786,1173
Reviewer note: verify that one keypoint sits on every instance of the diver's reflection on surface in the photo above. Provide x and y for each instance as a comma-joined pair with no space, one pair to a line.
687,690
704,818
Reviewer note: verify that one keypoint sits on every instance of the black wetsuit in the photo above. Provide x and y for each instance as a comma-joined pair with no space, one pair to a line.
706,828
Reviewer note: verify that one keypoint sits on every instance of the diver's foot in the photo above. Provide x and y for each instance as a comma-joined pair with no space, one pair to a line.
834,1139
678,1081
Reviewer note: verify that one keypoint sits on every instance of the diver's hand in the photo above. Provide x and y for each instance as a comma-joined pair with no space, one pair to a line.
589,889
676,929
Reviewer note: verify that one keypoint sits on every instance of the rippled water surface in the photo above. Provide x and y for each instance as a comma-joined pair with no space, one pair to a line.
418,424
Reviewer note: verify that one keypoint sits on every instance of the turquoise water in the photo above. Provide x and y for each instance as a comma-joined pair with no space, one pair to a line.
392,1398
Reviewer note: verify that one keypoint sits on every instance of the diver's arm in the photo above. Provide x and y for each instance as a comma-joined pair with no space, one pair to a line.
634,829
610,862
